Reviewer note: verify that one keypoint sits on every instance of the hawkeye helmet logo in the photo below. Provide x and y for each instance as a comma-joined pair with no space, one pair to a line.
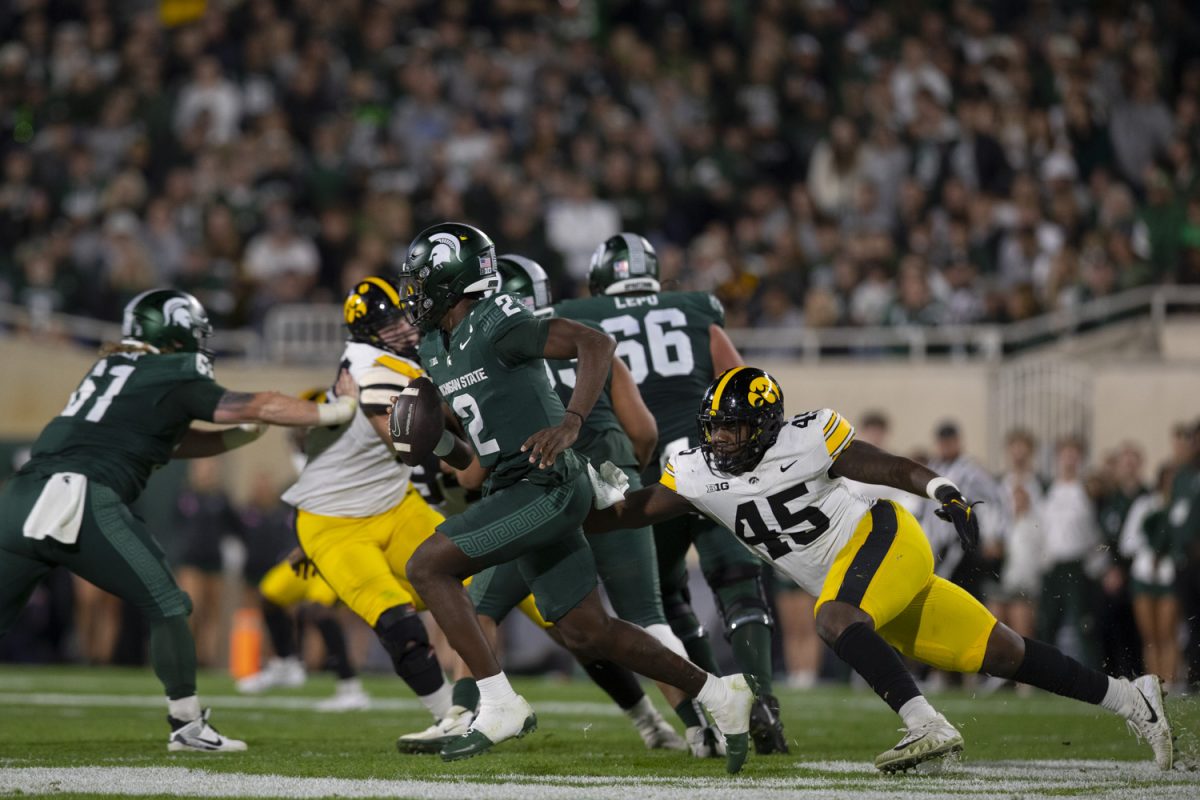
356,307
762,391
444,250
178,311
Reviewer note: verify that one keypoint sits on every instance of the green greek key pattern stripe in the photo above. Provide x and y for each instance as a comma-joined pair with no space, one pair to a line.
516,525
145,563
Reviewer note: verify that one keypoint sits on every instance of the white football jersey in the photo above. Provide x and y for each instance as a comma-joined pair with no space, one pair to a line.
350,471
788,510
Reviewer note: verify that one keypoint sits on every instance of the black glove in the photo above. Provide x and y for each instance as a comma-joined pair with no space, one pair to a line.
955,509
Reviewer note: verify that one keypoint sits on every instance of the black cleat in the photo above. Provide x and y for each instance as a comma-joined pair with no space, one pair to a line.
766,728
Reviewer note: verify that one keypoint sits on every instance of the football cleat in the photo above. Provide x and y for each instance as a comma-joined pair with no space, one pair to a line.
492,726
1152,725
705,742
936,738
450,727
199,736
349,695
656,733
766,728
279,673
733,718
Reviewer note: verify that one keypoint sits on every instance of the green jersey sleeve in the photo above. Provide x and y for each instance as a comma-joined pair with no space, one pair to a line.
518,337
197,399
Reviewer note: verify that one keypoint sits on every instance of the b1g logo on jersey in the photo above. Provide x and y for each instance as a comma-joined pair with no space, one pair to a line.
716,487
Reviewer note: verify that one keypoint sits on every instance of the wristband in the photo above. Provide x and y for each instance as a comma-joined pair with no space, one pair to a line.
243,434
576,413
338,412
445,445
937,483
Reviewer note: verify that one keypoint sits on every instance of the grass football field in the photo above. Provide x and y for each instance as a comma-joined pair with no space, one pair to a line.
82,732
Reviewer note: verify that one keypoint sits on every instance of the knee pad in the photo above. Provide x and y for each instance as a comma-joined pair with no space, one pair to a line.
741,595
677,606
667,638
406,641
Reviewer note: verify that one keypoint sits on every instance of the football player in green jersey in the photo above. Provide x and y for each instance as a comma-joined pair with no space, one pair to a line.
486,354
674,344
69,505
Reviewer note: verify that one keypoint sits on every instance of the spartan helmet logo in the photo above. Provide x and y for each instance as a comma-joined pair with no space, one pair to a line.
178,311
445,248
762,391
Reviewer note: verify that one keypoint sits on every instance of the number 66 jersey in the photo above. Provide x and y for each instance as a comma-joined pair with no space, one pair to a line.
788,509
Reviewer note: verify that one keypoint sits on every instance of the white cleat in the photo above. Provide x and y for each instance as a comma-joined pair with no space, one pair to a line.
348,696
733,718
279,673
1153,726
936,738
199,736
455,724
705,742
656,733
493,725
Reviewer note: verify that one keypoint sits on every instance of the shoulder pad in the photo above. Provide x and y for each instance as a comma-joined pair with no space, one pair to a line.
379,384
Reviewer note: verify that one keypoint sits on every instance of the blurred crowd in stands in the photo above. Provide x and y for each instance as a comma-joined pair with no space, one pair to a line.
813,162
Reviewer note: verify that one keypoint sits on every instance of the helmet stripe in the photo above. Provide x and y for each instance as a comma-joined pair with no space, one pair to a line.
387,288
716,403
637,253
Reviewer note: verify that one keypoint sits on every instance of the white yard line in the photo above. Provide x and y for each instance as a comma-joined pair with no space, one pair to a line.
998,781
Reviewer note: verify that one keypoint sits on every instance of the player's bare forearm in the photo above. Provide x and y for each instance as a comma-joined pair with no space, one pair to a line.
724,354
462,458
632,413
640,508
568,339
276,408
868,464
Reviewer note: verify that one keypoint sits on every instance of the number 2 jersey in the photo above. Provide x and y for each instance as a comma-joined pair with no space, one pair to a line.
349,471
129,413
788,509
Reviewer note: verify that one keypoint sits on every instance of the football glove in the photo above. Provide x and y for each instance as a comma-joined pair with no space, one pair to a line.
957,511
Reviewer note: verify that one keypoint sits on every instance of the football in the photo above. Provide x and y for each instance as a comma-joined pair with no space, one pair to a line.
416,422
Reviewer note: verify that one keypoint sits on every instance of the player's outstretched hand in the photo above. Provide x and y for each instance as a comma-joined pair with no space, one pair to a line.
546,445
956,510
301,564
345,386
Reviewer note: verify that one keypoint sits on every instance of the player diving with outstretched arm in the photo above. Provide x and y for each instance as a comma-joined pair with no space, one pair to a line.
486,356
777,484
69,505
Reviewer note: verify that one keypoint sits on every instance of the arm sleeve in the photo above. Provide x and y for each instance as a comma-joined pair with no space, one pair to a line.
519,338
668,476
838,433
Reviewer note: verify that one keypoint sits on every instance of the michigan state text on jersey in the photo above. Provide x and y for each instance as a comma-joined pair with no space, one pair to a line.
486,355
68,506
778,484
674,344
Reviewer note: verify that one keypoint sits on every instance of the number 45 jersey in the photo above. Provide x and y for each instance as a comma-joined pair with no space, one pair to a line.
788,510
664,340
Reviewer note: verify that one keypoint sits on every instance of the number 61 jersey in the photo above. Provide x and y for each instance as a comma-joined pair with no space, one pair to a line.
788,509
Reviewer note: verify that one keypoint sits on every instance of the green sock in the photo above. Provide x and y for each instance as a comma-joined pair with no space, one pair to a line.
751,645
688,714
701,654
465,693
173,656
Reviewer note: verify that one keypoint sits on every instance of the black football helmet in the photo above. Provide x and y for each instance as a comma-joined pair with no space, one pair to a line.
445,262
525,279
375,315
749,401
623,263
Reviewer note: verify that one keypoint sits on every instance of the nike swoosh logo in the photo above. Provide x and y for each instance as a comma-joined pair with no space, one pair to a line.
910,742
789,466
467,341
1150,708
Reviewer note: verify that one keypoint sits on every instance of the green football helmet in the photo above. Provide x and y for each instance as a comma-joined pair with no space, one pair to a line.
623,264
525,278
445,262
168,320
